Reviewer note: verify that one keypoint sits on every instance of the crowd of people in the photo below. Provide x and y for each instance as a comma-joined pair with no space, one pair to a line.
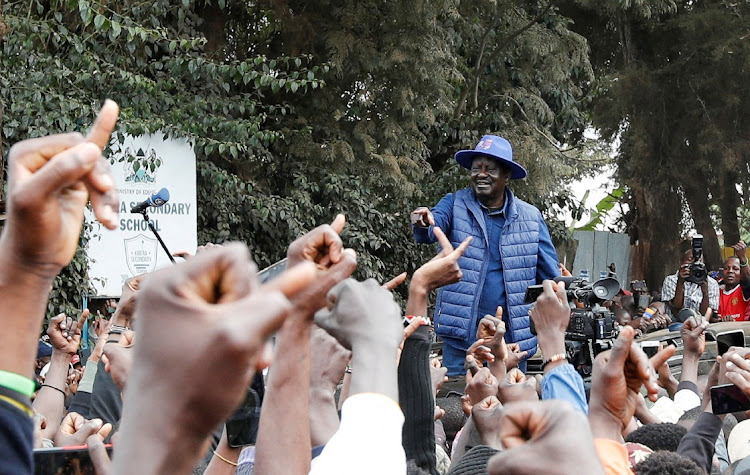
339,379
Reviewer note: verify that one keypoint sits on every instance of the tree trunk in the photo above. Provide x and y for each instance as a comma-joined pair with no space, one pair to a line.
214,26
626,39
696,193
656,253
729,201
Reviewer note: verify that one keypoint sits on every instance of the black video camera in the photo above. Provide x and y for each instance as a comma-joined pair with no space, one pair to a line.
698,271
593,322
590,327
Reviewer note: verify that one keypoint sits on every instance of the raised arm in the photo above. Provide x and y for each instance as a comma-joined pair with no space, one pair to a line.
213,304
740,250
362,316
694,342
50,180
65,336
441,270
551,315
287,399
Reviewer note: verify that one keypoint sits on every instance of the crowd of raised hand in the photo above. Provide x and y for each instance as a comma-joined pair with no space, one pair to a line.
351,386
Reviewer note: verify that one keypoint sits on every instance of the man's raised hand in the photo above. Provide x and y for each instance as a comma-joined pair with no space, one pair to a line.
443,269
551,312
740,250
694,333
515,386
618,376
203,326
492,331
551,315
76,429
537,438
487,416
50,181
361,312
321,246
65,333
422,217
481,385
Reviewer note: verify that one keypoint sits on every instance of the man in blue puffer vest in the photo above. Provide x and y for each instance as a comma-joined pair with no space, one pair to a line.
510,250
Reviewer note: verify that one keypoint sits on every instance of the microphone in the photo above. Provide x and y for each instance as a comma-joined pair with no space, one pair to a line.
157,198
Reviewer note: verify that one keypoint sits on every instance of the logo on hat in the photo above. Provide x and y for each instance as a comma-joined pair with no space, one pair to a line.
484,144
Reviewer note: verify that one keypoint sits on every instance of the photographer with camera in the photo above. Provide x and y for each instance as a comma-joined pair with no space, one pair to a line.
690,286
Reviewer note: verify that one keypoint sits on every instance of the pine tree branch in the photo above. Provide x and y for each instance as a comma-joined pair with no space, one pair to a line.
504,44
549,139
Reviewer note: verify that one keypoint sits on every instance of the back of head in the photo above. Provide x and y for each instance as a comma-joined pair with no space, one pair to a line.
664,436
667,463
628,303
454,418
730,422
622,316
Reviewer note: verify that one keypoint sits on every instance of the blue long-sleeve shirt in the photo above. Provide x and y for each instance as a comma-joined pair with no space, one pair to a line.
564,383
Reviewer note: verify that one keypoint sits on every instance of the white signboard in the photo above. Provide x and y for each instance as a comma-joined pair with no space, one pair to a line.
141,166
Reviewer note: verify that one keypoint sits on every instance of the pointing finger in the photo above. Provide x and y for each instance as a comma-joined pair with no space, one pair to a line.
462,247
104,124
395,282
338,223
442,240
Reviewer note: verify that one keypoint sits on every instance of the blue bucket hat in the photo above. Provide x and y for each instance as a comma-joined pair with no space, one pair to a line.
494,147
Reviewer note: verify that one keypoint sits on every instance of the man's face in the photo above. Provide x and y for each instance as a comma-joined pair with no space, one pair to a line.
731,271
688,259
488,179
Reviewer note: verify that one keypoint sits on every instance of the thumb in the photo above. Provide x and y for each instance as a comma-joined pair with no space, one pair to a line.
104,124
105,431
338,223
662,356
257,316
560,291
462,247
89,427
292,281
621,348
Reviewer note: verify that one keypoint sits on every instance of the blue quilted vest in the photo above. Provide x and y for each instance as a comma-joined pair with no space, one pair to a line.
456,310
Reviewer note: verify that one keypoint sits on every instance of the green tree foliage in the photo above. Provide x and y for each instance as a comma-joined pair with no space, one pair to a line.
299,110
63,58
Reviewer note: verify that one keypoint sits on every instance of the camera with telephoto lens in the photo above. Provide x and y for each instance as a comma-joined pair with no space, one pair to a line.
592,328
698,271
